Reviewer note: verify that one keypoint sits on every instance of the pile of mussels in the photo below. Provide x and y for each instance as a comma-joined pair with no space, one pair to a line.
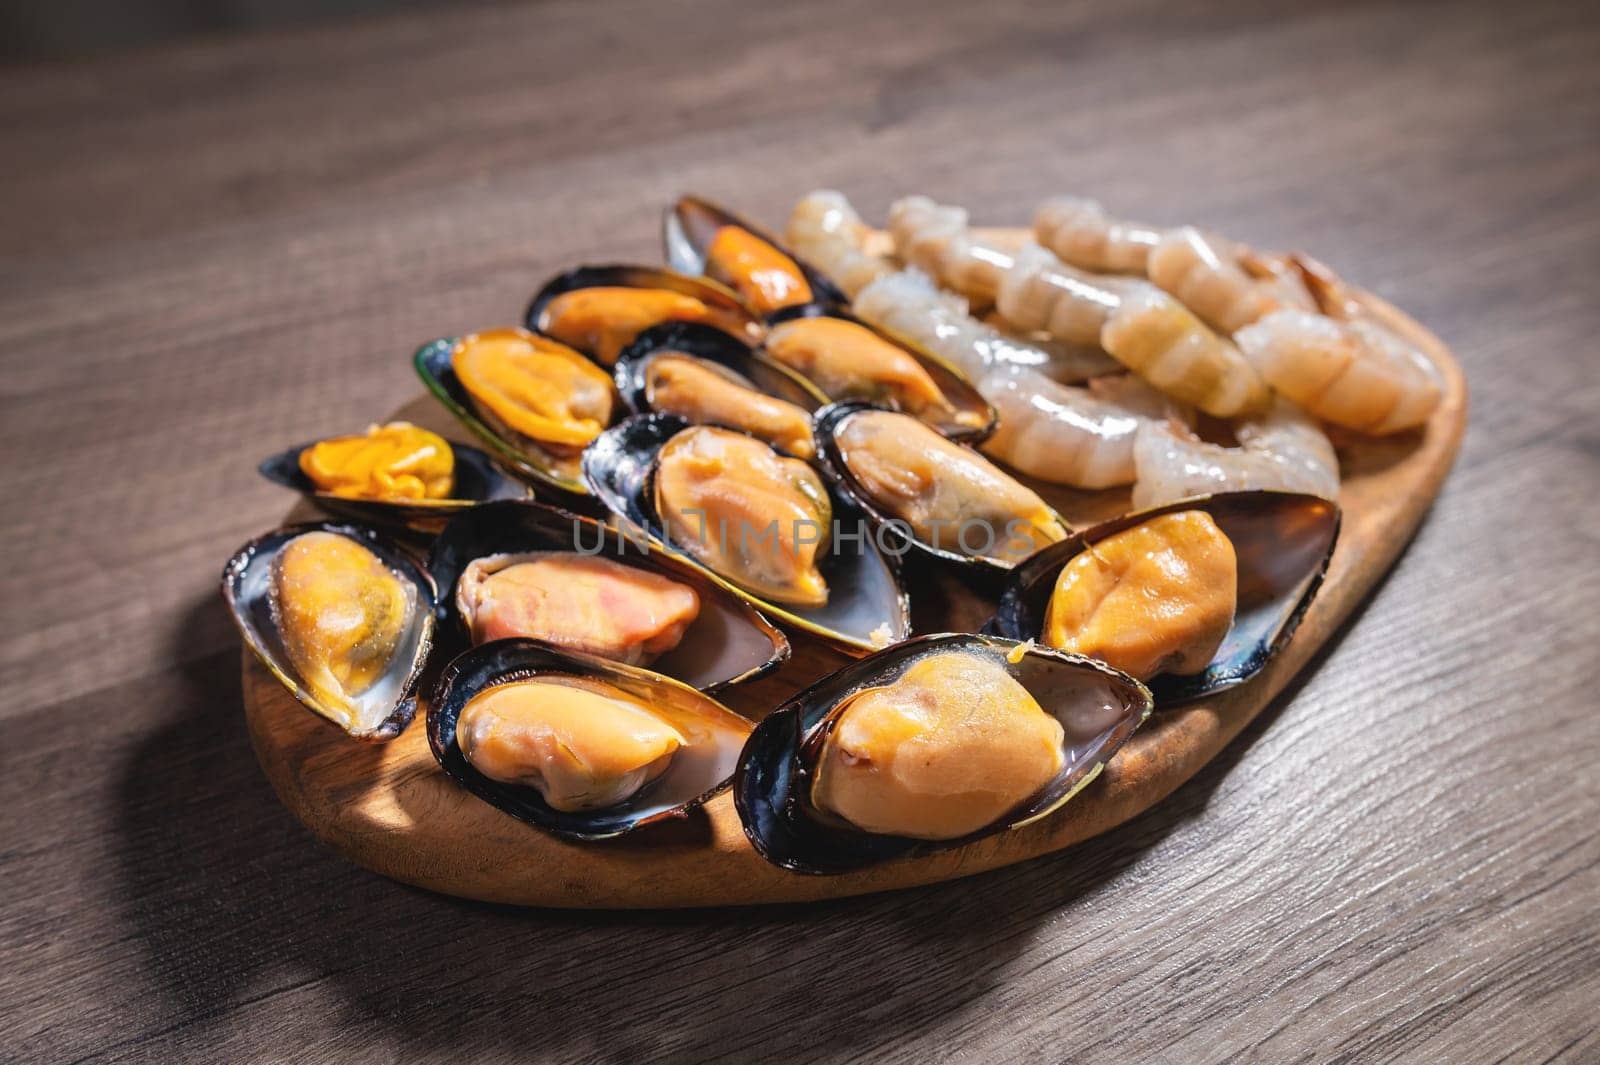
715,445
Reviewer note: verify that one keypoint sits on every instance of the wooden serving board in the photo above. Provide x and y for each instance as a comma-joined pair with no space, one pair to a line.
391,809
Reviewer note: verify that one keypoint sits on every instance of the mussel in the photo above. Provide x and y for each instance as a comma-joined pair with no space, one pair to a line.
599,310
933,743
340,616
1196,595
706,376
388,476
703,238
759,524
848,359
534,402
529,570
943,497
576,745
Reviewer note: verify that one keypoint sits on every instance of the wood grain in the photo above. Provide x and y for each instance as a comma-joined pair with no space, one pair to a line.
209,251
391,809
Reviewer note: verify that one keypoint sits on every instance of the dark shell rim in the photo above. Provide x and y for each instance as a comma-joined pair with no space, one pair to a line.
831,459
390,553
972,399
774,749
1170,690
823,288
598,275
534,658
444,389
450,624
638,517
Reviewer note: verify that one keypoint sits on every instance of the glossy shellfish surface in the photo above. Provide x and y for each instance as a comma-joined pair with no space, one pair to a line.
341,618
611,596
581,602
848,361
599,310
576,745
1281,542
865,606
701,237
396,461
951,500
707,377
932,743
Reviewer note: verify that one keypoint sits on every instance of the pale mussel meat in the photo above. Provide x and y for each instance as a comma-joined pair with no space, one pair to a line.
528,570
576,745
535,403
708,377
1194,597
933,743
341,616
848,359
759,523
389,476
703,238
599,310
942,497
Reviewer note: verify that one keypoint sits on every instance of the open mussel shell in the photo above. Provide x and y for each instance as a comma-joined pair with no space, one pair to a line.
729,641
247,589
697,772
1097,706
730,311
1283,541
977,417
690,225
830,456
866,609
477,480
714,346
433,365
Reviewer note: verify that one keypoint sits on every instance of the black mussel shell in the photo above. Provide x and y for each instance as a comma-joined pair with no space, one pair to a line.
1283,541
478,480
1099,708
714,346
867,608
689,226
825,430
247,589
627,275
729,642
432,363
960,391
697,773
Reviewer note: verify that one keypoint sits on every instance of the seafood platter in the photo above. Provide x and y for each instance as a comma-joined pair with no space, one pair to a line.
830,559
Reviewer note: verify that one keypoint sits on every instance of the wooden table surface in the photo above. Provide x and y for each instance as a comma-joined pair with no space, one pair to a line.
210,250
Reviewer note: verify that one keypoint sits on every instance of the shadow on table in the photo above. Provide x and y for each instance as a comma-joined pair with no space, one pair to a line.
233,900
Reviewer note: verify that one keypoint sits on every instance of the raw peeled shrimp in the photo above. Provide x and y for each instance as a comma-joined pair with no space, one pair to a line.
1076,436
1342,366
1080,232
825,230
908,303
1282,449
1142,327
1226,285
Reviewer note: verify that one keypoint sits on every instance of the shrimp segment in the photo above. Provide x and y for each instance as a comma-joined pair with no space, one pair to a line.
1227,286
1282,449
1081,233
1159,339
1137,324
909,304
827,231
1082,437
